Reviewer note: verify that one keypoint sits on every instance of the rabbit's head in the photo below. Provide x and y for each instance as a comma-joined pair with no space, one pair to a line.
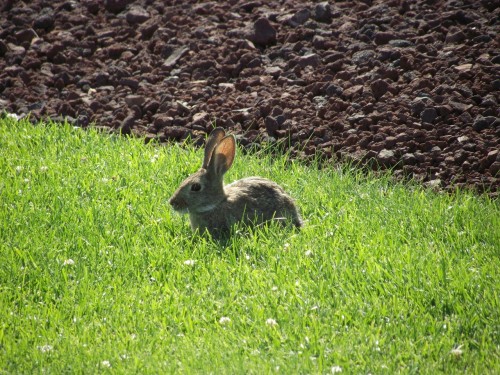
204,190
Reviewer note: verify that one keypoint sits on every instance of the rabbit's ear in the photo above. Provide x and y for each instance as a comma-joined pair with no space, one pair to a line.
212,141
223,155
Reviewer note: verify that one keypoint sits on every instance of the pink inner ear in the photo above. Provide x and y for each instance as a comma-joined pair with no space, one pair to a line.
224,155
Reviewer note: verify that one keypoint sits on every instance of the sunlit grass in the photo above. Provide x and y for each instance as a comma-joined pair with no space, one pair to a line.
98,274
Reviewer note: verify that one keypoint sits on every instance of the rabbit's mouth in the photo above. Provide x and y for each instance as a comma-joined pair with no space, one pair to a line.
179,206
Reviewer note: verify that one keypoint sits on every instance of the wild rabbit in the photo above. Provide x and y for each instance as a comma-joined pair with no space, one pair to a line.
215,207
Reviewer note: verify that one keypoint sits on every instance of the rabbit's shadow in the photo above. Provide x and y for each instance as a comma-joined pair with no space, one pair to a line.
247,240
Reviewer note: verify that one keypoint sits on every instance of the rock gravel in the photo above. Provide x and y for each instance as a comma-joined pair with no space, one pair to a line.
407,85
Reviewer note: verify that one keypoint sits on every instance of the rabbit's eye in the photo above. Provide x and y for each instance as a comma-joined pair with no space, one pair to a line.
195,187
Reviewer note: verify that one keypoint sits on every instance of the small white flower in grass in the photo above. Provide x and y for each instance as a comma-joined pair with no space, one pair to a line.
286,246
45,348
13,116
336,369
189,262
308,253
457,352
271,322
69,262
106,364
224,320
19,168
44,168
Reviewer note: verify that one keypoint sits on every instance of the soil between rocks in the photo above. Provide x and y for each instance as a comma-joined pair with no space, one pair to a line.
409,85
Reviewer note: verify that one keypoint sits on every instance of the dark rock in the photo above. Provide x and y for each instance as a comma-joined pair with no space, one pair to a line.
3,48
480,123
161,121
25,35
364,57
409,159
130,82
271,125
300,17
311,59
383,38
44,21
333,90
455,37
428,115
495,169
323,12
116,6
152,106
137,15
135,100
352,91
379,88
263,33
127,124
386,158
250,5
175,132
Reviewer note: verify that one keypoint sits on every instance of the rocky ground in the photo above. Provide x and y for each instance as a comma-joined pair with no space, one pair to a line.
409,85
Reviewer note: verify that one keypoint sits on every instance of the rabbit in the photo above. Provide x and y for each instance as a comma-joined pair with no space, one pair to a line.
214,207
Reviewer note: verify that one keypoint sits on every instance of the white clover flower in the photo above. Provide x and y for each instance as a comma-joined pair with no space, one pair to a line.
13,116
44,168
45,348
224,320
308,253
106,364
19,168
271,322
457,352
189,262
336,369
69,262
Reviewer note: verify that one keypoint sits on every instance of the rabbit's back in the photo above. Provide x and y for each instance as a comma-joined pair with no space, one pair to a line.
256,199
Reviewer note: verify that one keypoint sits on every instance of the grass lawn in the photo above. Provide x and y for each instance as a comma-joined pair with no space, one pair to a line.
98,274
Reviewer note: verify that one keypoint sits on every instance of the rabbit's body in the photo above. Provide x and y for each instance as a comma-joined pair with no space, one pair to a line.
243,202
215,207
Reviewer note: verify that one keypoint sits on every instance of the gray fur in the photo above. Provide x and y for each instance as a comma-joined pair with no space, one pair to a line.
215,207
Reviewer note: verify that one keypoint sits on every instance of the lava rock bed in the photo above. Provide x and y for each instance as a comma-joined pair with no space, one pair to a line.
408,85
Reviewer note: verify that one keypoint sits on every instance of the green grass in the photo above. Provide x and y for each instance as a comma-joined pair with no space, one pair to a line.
97,274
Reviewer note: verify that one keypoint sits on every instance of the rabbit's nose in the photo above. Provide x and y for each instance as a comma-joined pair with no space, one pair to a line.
175,203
